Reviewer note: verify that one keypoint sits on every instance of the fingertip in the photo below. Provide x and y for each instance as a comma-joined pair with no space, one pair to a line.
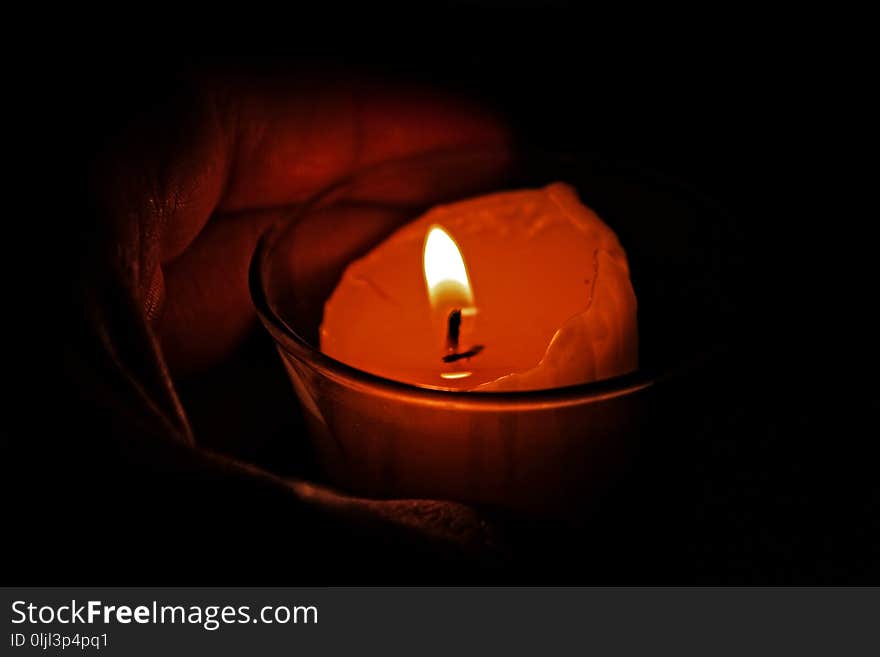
208,311
154,299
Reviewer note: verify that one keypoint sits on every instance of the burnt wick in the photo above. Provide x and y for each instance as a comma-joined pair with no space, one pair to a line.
453,329
473,351
453,332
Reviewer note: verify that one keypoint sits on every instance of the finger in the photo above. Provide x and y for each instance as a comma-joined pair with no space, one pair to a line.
233,145
207,310
273,144
294,141
284,144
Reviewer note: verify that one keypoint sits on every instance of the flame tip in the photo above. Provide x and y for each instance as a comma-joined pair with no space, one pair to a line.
445,272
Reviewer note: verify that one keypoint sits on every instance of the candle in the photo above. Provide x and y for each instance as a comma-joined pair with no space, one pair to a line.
439,356
353,285
516,290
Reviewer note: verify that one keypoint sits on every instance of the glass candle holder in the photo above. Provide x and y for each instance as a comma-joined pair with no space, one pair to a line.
541,451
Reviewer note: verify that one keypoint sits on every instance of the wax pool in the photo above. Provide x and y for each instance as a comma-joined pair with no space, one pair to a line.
546,297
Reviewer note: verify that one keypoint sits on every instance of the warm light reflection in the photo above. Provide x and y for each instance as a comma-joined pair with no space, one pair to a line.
455,375
445,272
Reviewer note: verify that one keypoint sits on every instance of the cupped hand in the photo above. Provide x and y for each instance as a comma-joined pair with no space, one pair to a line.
183,199
203,184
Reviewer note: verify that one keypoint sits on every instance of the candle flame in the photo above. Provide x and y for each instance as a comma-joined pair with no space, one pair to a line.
445,272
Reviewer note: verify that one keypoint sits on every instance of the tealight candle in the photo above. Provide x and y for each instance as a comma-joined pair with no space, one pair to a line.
516,290
449,340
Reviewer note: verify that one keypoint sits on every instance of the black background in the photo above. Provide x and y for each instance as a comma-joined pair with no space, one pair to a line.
778,485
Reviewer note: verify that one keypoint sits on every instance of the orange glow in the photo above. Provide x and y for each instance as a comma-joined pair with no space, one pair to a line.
446,275
556,306
455,375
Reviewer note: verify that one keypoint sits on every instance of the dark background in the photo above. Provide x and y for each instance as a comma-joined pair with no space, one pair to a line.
777,481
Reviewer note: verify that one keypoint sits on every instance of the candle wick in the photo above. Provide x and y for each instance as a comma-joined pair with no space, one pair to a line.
453,329
473,351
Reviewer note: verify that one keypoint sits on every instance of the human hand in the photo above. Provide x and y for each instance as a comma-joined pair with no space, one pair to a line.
204,182
184,202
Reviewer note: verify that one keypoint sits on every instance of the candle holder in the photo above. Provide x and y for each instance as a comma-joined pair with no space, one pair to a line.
540,451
